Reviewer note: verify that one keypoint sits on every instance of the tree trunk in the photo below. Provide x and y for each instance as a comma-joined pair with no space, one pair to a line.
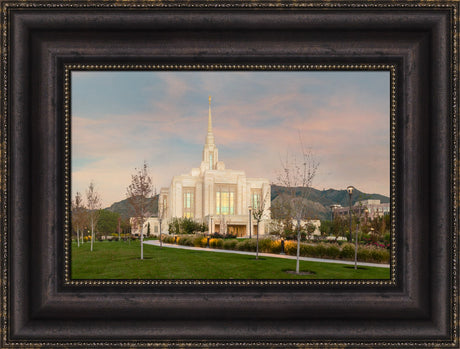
298,250
142,242
92,234
78,236
257,243
161,242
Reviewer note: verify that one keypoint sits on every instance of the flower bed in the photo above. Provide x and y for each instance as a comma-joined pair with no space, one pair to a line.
346,251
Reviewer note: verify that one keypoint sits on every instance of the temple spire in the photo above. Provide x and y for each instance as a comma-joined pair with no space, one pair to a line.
210,136
209,117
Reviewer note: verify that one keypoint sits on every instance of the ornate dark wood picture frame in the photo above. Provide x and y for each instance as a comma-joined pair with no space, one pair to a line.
418,307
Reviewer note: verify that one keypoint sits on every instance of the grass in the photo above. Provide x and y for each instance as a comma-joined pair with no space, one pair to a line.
120,260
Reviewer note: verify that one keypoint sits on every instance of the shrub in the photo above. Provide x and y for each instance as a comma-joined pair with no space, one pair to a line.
321,250
290,247
185,226
364,254
275,246
186,240
265,245
380,255
348,251
168,239
307,250
333,251
200,241
216,243
230,244
246,245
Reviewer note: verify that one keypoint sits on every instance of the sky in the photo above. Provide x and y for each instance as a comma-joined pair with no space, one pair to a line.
121,119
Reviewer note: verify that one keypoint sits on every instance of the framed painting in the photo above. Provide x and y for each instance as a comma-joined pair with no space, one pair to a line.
155,156
237,202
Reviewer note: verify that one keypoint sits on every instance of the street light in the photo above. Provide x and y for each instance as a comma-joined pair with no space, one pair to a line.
250,221
356,238
332,212
350,193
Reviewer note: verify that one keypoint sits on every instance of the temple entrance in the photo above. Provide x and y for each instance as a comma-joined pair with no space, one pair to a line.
238,230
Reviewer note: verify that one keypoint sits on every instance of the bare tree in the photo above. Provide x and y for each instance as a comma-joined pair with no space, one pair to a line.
139,193
297,176
280,209
259,213
161,216
78,215
94,205
222,225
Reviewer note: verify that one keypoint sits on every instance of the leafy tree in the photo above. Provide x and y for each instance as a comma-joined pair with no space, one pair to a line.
138,193
326,227
108,221
185,226
94,204
174,226
310,228
148,230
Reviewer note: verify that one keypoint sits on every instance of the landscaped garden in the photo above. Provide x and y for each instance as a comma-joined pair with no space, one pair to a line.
330,250
120,260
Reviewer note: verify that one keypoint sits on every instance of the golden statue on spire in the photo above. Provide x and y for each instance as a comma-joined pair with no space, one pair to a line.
210,123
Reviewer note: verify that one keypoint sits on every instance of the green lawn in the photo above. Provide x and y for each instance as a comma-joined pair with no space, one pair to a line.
120,260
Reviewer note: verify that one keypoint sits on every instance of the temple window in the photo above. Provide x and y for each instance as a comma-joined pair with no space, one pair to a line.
189,202
256,195
225,200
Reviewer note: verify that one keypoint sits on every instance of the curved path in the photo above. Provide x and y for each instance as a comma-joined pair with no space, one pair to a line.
322,260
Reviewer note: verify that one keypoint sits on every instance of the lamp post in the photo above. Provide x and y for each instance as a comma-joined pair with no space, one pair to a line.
350,193
332,212
250,222
356,239
282,246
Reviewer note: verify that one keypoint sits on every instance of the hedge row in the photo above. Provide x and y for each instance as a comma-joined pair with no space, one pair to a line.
345,251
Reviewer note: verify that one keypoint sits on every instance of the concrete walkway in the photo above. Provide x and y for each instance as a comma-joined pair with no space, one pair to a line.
157,243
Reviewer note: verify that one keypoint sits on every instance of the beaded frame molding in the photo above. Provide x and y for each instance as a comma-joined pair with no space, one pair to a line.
43,41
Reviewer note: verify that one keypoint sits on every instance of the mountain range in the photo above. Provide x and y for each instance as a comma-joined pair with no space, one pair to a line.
318,202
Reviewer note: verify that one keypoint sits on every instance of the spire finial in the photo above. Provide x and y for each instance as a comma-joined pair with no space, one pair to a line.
209,117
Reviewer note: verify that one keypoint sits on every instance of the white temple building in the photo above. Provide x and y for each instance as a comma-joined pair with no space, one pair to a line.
216,195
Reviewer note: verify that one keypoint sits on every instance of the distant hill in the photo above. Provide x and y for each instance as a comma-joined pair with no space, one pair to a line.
318,202
125,210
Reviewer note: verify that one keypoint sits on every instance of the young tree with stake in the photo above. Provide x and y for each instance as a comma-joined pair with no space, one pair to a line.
162,208
259,212
94,205
297,175
139,193
78,215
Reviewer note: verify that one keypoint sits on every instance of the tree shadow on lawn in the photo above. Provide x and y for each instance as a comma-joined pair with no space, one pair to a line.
301,272
353,267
